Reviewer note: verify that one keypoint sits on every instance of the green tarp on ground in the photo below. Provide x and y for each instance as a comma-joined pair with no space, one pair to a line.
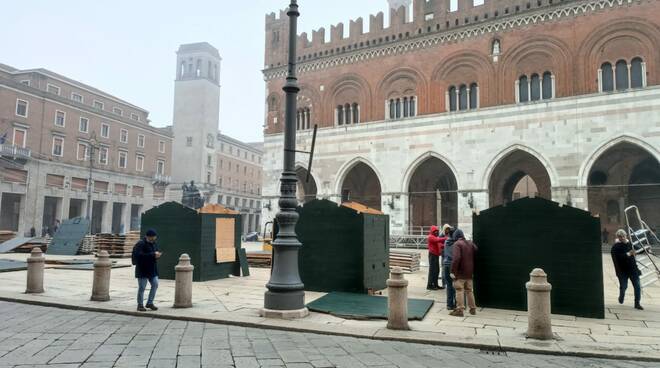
8,265
361,306
69,237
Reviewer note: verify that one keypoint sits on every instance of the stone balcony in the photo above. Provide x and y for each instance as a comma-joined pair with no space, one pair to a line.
15,152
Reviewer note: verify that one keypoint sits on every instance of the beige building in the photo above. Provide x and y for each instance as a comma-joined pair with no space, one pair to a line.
47,124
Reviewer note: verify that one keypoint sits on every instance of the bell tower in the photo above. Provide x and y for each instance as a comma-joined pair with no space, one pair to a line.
196,113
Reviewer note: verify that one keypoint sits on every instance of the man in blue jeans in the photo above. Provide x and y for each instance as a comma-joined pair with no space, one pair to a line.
145,256
446,268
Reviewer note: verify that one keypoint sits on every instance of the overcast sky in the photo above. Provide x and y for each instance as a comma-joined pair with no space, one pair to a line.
127,47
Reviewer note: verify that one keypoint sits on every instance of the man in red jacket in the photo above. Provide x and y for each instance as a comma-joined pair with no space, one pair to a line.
434,244
462,269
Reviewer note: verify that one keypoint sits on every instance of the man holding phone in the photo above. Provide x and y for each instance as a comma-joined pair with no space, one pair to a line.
145,257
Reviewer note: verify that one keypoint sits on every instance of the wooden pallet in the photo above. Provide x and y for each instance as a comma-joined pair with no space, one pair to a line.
409,262
6,235
259,259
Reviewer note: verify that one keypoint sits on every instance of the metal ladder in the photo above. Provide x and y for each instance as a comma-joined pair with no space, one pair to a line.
639,236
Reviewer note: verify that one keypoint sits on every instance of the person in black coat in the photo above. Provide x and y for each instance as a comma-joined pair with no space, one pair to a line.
145,257
623,257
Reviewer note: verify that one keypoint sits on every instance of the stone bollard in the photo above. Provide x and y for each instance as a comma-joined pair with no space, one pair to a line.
539,325
183,284
35,272
101,284
397,301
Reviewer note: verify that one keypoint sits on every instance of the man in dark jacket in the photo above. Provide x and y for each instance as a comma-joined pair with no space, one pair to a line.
145,256
462,269
446,268
434,258
625,266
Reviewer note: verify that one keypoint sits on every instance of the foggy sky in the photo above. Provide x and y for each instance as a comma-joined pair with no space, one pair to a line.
127,47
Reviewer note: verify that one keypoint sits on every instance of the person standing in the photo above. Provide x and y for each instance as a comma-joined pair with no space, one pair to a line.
434,258
447,257
623,257
145,257
446,228
462,269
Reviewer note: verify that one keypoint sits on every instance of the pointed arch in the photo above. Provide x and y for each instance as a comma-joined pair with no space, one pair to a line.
414,165
554,177
367,168
587,165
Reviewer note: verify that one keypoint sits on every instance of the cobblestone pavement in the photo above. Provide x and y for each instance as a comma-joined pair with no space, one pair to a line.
33,336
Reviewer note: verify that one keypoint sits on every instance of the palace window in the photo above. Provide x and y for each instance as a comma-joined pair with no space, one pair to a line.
535,87
303,119
405,107
622,75
463,97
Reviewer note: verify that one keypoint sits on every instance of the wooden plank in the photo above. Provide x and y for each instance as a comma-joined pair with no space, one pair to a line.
225,250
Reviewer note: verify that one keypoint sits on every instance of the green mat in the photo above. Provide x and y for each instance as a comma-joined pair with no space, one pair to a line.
362,306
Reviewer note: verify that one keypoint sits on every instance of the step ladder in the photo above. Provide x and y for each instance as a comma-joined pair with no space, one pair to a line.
641,237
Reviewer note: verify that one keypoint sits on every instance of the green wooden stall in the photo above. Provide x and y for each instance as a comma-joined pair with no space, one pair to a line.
345,248
515,238
210,236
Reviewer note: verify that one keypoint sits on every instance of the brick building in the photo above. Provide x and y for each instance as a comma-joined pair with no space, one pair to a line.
47,124
226,170
460,105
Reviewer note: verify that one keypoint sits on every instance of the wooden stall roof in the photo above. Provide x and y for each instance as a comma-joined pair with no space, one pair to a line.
217,209
360,208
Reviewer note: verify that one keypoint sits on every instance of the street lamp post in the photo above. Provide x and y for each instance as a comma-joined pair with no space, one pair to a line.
92,146
285,297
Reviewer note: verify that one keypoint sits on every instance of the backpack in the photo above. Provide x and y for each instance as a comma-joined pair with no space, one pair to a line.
134,254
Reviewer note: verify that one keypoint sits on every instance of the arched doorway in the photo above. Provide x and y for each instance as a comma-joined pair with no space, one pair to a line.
432,193
361,185
517,175
624,175
306,190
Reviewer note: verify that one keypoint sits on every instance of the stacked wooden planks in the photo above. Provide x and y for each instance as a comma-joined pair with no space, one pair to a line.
6,235
42,243
117,246
259,259
88,245
408,261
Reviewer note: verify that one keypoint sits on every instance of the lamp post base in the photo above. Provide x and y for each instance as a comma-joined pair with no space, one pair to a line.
284,314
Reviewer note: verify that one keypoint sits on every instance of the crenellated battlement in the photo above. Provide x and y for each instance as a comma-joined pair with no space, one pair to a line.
428,16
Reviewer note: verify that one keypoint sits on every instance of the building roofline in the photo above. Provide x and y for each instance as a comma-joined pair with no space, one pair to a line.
235,141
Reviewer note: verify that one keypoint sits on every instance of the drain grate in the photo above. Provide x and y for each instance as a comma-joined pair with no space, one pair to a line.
493,352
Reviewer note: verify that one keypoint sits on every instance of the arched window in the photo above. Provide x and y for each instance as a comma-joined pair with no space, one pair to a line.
607,77
523,89
621,75
462,97
340,115
636,73
183,69
413,109
452,98
405,107
535,87
547,85
398,108
308,119
356,113
198,71
392,107
347,113
474,95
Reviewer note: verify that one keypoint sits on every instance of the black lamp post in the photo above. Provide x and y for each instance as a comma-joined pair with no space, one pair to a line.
285,297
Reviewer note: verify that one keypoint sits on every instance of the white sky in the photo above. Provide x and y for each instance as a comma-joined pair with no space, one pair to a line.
127,47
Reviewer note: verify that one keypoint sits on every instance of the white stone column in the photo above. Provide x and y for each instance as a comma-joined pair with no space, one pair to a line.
643,74
552,78
517,90
183,282
101,282
35,272
600,81
397,301
539,322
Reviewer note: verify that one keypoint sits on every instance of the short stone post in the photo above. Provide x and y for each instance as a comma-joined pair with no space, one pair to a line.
101,284
35,272
539,325
184,281
397,301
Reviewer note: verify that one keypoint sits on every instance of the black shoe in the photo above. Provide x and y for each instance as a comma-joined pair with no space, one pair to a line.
639,307
441,288
141,308
152,307
620,300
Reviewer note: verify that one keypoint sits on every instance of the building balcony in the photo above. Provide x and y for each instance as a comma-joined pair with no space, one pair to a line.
15,152
162,179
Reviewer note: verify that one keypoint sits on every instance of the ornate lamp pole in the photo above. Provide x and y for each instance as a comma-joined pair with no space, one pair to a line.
93,144
285,297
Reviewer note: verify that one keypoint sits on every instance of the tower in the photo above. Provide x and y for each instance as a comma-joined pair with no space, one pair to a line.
196,113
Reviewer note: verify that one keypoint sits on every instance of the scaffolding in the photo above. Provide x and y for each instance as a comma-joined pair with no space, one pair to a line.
641,236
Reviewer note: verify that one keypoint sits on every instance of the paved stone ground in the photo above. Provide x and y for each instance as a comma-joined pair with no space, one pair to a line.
33,336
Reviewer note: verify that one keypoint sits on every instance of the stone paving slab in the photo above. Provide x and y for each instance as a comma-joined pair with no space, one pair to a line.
624,333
